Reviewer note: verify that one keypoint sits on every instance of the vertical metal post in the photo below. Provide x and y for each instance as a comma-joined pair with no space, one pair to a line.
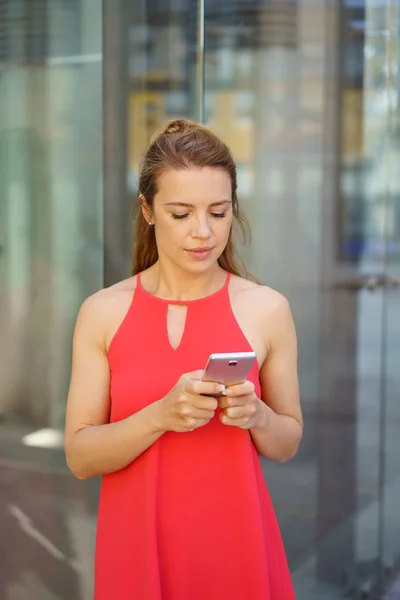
117,237
200,61
385,314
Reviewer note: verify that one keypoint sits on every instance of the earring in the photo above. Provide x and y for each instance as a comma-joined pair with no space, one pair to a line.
150,223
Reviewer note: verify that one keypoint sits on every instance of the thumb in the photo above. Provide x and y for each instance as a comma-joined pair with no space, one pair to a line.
194,375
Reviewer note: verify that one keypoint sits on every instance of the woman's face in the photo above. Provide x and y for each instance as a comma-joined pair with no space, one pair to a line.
192,216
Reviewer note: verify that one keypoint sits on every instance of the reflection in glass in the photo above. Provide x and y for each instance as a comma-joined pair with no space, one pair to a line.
51,259
307,96
390,463
307,122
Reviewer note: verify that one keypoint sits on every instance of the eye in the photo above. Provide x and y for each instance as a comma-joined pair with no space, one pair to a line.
179,216
219,215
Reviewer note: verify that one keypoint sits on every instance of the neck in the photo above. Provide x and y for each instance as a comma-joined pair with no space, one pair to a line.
172,283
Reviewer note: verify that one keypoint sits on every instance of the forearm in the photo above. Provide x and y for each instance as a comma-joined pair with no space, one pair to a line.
100,449
278,437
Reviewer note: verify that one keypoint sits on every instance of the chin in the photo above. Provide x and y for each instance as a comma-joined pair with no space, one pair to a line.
202,267
199,267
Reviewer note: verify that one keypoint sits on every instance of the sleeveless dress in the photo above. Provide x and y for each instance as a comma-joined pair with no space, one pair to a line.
191,517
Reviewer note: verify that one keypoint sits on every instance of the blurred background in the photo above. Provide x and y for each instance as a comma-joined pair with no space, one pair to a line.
306,94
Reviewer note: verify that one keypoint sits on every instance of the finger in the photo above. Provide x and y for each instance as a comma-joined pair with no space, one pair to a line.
240,389
192,412
194,375
203,402
225,401
196,424
204,388
239,412
242,422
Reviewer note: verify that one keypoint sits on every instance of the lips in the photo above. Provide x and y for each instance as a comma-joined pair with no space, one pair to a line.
199,249
200,253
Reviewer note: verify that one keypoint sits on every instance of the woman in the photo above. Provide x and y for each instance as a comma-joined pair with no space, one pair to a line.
184,512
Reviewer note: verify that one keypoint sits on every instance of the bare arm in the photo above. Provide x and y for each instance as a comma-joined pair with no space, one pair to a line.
275,423
280,428
94,446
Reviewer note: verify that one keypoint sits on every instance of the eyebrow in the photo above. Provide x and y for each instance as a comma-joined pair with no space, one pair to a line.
218,203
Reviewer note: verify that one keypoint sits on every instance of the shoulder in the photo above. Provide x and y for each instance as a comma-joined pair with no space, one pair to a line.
268,310
262,299
105,299
99,311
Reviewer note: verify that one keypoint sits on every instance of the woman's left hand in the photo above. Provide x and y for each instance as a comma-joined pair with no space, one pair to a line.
242,408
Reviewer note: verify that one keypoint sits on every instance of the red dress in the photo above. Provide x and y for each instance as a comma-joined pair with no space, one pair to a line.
190,518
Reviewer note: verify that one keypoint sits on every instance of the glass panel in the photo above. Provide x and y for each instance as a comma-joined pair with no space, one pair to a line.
299,92
161,82
266,69
391,383
368,199
51,258
306,95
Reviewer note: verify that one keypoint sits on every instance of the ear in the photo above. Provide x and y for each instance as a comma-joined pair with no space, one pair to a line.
146,209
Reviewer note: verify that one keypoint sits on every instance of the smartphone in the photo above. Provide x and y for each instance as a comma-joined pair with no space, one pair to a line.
230,368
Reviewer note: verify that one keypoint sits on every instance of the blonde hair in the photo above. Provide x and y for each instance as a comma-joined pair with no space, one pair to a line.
182,144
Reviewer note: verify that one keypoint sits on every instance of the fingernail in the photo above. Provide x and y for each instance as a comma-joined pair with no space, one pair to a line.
220,388
227,392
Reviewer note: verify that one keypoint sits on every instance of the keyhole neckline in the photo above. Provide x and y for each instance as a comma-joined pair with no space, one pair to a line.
144,292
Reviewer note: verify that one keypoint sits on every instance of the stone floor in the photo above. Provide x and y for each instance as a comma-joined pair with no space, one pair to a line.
47,524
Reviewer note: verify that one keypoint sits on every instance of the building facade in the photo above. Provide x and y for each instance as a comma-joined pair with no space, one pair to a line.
307,95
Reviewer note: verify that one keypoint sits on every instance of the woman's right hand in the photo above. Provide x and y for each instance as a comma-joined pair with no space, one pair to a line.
189,405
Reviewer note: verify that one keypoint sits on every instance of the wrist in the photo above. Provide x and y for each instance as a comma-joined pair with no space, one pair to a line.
155,417
263,417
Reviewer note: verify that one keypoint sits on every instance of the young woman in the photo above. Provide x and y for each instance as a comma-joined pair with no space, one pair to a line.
184,511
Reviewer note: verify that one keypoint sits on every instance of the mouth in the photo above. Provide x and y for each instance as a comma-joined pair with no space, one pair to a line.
200,253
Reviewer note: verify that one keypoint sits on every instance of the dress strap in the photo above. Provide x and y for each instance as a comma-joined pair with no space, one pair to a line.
142,293
138,283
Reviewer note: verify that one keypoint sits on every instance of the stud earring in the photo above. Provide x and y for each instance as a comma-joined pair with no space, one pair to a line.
150,223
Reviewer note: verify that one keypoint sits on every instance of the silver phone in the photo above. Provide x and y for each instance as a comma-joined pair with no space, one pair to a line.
230,368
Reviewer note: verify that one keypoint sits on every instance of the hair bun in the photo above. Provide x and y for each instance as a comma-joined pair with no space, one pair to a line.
176,126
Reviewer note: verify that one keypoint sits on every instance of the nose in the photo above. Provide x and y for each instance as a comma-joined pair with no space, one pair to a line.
201,227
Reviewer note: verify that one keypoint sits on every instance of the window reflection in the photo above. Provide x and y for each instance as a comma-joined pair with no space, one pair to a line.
51,241
306,95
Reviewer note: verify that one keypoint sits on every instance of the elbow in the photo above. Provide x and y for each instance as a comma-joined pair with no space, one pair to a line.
281,457
77,469
291,451
76,466
286,447
285,457
81,475
286,452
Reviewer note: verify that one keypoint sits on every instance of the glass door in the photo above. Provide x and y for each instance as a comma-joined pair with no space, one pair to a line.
358,460
301,94
390,451
51,255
